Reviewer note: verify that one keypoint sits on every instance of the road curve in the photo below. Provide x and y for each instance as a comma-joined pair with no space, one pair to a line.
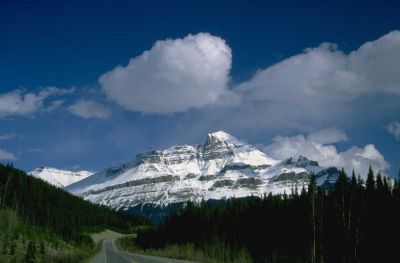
111,254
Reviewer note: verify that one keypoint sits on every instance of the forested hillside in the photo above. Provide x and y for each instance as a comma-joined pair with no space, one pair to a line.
355,221
36,213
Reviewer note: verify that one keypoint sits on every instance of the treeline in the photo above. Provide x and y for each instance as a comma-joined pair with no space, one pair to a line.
354,221
40,204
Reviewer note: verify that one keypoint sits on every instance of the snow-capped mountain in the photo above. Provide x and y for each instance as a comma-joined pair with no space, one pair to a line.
220,168
60,178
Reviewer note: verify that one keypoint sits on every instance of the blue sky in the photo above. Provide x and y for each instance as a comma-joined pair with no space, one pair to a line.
256,69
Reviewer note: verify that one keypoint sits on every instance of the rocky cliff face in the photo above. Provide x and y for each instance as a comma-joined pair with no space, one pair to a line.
220,168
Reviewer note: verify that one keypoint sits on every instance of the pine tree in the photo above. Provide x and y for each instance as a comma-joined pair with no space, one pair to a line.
303,192
312,193
353,181
387,187
379,182
360,182
370,184
342,182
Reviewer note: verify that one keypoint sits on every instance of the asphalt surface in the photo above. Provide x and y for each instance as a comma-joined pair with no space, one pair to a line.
111,254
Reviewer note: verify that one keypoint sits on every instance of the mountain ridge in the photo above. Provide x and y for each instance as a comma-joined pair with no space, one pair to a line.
59,177
221,167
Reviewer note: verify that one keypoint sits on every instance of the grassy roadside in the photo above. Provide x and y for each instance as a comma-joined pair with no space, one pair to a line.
20,242
35,251
92,253
184,252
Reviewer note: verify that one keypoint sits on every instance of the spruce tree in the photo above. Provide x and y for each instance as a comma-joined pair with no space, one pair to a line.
360,182
370,184
342,182
312,193
353,181
387,186
379,182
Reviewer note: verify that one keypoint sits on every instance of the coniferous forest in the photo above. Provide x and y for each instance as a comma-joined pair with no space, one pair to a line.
354,221
34,212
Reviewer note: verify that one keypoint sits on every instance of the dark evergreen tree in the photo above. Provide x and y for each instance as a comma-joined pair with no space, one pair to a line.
370,184
312,193
40,204
342,224
379,182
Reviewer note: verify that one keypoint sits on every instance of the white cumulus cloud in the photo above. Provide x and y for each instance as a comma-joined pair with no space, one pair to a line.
173,76
394,129
21,103
315,148
89,109
377,63
322,85
327,136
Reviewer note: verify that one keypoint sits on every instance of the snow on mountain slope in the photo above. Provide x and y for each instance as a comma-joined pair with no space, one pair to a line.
60,178
220,168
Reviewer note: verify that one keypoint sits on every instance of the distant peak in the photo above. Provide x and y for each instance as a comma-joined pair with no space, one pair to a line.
221,136
302,158
302,161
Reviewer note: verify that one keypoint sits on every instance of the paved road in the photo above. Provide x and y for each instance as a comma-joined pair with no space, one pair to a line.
111,254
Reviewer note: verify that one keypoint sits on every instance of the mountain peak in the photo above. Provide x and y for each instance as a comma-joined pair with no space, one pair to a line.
222,167
221,136
302,161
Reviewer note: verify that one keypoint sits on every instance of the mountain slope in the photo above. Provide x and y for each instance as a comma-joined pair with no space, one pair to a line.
31,209
220,168
60,178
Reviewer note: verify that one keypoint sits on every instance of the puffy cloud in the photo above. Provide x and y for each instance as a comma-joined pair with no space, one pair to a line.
394,129
305,92
6,155
315,148
20,103
89,109
322,85
17,103
317,73
173,76
327,136
377,63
